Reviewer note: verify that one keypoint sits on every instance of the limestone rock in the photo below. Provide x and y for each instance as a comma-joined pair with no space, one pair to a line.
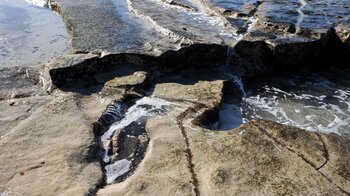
56,132
137,79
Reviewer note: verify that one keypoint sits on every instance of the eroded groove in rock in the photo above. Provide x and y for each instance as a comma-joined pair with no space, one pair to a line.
330,180
122,136
189,154
284,145
299,155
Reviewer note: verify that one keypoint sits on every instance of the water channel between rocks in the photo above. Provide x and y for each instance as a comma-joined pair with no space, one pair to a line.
124,141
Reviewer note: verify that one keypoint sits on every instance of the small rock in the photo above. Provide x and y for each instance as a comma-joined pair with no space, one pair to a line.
12,102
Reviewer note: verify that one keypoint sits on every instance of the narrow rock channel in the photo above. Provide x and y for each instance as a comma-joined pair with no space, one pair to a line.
122,136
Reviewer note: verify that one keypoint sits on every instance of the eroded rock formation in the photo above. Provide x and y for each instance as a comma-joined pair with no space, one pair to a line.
183,53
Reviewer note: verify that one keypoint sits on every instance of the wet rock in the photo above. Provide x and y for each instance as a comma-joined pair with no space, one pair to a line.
30,35
343,31
164,156
116,142
258,54
109,26
19,82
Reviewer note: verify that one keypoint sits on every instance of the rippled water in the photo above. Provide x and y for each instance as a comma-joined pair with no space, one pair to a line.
29,33
312,101
315,102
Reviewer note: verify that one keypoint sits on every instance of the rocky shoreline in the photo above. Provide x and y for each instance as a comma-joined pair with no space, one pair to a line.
55,118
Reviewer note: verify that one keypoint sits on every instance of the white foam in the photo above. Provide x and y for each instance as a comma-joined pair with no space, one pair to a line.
301,15
133,114
39,3
113,171
309,109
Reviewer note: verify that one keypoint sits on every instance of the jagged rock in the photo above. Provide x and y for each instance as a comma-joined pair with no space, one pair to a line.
343,31
116,143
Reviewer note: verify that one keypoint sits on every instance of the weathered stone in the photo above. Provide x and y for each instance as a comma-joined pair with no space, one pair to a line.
137,79
58,132
343,31
202,92
164,165
247,160
50,138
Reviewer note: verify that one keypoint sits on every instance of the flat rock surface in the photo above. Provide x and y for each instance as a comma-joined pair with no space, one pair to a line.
49,142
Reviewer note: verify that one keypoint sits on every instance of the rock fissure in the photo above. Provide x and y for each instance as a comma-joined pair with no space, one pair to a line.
284,145
189,155
301,156
325,151
330,180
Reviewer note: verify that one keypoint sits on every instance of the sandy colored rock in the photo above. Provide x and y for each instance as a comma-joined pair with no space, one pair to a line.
58,133
337,168
203,92
138,78
247,161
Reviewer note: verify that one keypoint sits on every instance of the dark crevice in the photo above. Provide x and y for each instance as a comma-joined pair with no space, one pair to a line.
126,144
325,151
